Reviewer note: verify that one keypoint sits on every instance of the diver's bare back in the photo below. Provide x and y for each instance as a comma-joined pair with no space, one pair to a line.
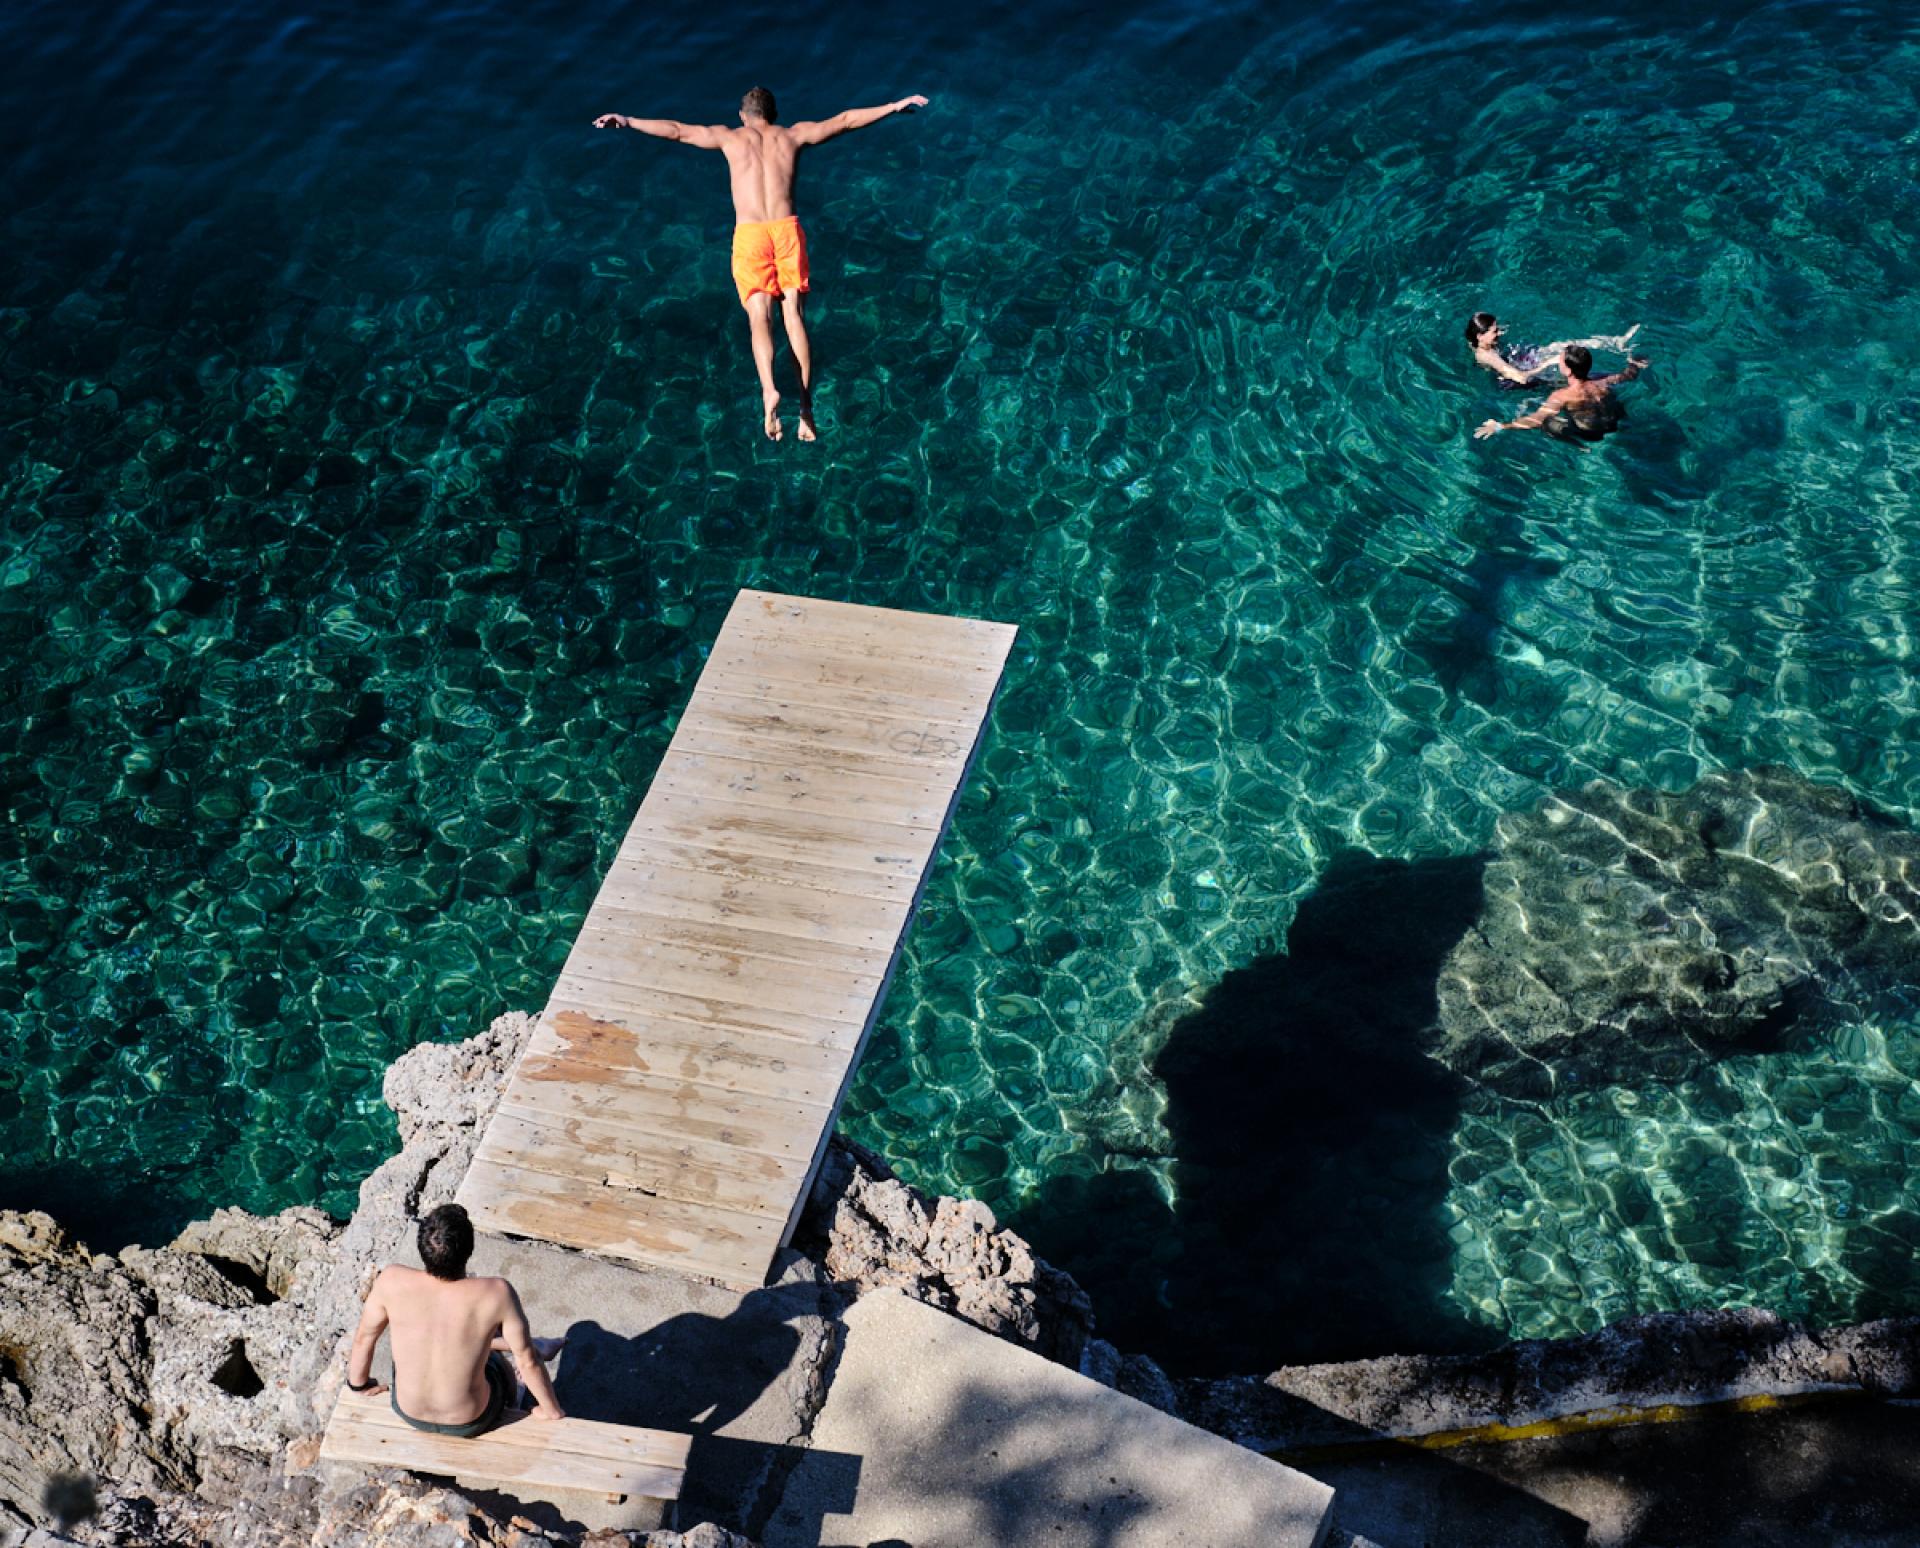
761,161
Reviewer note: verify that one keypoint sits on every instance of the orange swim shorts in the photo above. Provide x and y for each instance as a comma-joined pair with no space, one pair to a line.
770,255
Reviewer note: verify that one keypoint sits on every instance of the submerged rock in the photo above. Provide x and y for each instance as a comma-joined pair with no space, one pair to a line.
1629,934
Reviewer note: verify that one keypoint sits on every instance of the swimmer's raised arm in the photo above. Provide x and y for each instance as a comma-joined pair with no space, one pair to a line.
1635,365
1531,421
700,136
812,132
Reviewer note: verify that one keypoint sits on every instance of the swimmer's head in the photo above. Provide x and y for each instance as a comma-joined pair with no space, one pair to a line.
1483,330
1578,360
758,103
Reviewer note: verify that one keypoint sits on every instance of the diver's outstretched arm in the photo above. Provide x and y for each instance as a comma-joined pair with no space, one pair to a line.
700,136
815,132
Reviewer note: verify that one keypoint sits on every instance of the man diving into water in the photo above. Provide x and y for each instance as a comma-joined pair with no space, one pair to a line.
1583,410
769,248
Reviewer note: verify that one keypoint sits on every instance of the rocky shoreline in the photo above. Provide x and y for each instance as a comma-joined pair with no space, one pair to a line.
175,1396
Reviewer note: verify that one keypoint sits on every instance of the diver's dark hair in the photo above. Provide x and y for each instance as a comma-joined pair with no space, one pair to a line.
758,103
1477,325
1579,361
446,1241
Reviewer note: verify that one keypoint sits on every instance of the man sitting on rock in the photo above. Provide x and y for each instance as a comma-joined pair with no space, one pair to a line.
451,1338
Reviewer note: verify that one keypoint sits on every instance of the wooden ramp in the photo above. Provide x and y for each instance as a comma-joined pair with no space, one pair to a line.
680,1087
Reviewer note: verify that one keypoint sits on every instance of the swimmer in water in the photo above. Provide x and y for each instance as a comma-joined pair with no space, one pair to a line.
1526,366
1583,410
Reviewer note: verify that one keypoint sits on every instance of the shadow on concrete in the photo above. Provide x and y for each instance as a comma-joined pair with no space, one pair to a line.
1310,1140
691,1372
975,1467
695,1374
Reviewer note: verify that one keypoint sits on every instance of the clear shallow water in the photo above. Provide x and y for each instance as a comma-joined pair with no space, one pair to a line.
376,461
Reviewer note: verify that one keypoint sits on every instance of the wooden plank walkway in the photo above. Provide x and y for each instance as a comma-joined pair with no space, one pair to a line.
679,1090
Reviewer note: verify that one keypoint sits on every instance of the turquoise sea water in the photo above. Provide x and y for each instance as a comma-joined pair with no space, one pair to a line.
377,458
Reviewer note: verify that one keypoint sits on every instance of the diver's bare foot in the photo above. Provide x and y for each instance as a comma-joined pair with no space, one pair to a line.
772,401
807,431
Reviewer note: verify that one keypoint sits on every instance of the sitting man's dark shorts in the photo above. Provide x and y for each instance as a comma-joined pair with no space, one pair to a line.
501,1382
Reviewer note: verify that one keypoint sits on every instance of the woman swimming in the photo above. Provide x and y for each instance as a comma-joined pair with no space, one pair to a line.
1527,366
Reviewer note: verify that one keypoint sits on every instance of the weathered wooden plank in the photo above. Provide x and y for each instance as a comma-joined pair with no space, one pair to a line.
619,954
632,1159
746,1120
759,905
769,784
839,873
916,741
750,683
754,600
731,1061
667,1145
732,939
886,848
702,1241
755,611
916,757
792,665
604,959
953,653
584,991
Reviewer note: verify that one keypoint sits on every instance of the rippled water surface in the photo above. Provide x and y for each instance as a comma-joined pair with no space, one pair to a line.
377,459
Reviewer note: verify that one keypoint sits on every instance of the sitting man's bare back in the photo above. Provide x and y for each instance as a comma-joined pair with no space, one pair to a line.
769,248
452,1337
1583,410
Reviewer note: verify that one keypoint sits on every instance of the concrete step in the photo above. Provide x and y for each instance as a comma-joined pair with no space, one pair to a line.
961,1439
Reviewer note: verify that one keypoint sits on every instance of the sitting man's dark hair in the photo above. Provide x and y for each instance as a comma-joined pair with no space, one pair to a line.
1477,325
446,1241
758,103
1579,361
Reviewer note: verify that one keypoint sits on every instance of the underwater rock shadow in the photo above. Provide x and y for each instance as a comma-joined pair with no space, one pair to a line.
1461,646
1311,1135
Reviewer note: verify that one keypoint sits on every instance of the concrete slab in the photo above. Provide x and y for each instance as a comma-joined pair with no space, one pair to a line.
669,1353
964,1439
